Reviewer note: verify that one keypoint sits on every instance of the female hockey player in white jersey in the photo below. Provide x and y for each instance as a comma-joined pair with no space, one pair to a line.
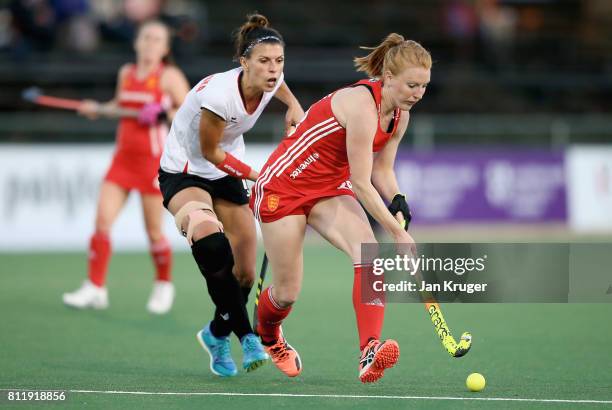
201,179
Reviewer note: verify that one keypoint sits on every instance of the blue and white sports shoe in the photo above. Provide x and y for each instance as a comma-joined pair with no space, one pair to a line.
218,348
254,355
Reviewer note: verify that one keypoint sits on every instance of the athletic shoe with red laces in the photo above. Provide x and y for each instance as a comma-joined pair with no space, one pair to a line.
376,357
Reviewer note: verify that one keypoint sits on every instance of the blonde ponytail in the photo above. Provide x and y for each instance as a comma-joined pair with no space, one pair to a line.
393,54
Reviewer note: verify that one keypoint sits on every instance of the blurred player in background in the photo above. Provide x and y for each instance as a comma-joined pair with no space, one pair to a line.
202,181
318,176
155,88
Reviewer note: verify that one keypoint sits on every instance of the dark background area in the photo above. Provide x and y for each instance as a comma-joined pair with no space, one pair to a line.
534,72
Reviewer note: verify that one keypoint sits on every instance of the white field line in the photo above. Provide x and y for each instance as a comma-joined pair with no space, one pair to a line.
329,396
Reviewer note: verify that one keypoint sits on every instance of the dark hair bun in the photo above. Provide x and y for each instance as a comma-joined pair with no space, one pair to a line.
258,20
256,26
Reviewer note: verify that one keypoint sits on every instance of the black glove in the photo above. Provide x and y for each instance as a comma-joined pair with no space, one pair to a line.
163,117
399,204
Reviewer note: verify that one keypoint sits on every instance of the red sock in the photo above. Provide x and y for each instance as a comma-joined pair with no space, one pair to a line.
161,252
270,316
371,314
99,255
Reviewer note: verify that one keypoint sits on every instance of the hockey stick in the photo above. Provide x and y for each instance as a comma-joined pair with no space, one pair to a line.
442,330
262,277
36,96
437,318
448,341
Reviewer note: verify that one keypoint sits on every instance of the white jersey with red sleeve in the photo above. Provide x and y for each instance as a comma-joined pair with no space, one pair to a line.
220,94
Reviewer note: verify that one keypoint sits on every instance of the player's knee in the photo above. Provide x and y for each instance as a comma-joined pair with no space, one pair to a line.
196,216
355,249
245,282
245,276
204,229
103,224
213,254
105,229
285,296
154,235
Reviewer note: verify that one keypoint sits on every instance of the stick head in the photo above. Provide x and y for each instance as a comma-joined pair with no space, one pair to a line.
464,345
31,94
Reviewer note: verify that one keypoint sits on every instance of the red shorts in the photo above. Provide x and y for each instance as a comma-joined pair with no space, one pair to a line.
276,204
134,172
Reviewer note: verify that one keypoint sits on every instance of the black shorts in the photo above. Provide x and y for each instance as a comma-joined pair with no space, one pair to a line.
229,188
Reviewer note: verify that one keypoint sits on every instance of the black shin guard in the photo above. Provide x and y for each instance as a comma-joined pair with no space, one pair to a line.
213,255
221,327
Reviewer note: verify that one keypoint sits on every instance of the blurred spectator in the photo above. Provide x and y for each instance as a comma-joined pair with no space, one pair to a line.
41,25
5,28
490,55
498,29
138,11
120,19
34,24
461,25
122,27
77,30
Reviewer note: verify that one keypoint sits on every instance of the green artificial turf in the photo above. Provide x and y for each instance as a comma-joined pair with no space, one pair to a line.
526,351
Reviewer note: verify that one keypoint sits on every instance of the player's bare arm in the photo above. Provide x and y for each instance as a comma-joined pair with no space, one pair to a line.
175,84
295,113
357,110
383,174
93,109
211,133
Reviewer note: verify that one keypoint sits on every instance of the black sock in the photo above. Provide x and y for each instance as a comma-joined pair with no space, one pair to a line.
246,290
214,258
221,327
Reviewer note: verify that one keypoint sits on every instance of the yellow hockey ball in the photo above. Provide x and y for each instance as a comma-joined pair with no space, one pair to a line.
475,382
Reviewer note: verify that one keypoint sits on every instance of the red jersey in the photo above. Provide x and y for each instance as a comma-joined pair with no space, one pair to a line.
134,138
139,147
312,162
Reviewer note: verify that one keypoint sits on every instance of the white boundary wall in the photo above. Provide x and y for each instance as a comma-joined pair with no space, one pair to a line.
48,196
589,187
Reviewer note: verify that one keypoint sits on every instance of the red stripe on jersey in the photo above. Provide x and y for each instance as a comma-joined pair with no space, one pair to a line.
293,151
313,158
